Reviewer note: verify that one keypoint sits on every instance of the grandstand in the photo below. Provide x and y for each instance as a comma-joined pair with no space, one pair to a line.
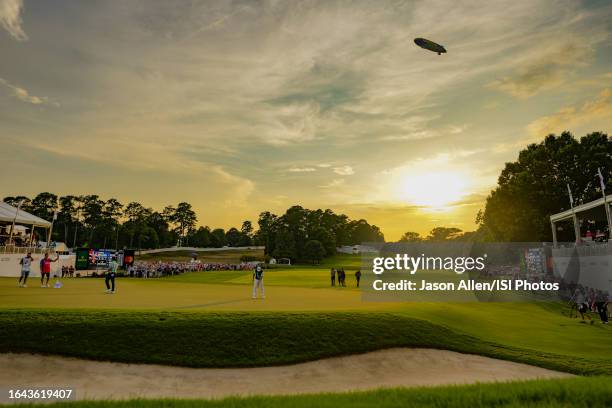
20,233
586,217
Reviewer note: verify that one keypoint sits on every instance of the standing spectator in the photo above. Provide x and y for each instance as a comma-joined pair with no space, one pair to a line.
333,277
358,276
45,269
583,307
110,276
341,277
602,307
258,281
26,263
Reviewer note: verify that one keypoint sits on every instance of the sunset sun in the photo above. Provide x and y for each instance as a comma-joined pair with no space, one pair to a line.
434,190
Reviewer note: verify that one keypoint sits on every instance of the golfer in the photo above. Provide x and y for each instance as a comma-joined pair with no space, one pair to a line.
258,281
358,277
45,269
110,276
26,263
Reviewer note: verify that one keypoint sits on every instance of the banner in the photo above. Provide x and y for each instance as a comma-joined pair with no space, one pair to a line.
82,259
128,258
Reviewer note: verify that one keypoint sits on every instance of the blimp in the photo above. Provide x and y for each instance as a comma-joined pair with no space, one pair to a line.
430,45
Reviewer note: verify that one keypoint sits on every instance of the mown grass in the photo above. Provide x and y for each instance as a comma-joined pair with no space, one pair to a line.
248,339
591,392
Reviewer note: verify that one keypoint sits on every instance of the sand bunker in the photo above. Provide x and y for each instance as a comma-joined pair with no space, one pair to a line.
401,367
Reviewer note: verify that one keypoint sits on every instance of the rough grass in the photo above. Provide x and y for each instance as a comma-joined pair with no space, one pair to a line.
248,339
592,392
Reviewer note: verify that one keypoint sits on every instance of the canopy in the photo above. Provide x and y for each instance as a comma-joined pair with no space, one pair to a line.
588,207
7,214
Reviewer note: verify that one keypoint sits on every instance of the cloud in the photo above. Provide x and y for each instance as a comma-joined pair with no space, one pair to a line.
344,170
545,72
419,135
455,130
271,89
570,117
302,169
335,183
23,95
10,18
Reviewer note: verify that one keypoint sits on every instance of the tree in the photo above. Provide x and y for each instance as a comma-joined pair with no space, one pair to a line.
285,245
362,231
66,217
26,203
91,210
247,228
314,251
137,216
217,239
411,237
183,217
111,212
265,234
44,205
325,238
232,237
201,238
157,221
534,187
246,234
443,234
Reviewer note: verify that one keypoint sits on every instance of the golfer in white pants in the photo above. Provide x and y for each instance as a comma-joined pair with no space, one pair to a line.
258,281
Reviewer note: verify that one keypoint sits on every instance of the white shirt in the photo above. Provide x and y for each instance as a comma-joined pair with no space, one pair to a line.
26,262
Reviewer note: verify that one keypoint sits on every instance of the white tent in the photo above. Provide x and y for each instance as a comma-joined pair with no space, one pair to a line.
8,212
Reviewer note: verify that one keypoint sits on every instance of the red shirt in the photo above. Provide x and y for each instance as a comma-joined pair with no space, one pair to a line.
46,265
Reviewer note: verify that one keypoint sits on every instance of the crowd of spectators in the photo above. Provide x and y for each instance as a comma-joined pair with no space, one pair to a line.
158,269
585,299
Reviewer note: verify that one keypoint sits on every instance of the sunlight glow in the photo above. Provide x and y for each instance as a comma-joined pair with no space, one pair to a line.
435,190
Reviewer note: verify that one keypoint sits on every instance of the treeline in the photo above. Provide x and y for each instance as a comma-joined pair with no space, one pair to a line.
439,234
532,188
88,220
311,234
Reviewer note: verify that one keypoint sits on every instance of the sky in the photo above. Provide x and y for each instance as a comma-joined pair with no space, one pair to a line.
239,107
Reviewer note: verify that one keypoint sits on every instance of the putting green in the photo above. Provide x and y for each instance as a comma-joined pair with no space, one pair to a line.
233,294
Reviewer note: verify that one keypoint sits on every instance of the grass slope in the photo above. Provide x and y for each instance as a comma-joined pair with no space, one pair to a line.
248,339
592,392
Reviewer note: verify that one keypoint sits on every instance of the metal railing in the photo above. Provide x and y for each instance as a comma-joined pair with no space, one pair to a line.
592,249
